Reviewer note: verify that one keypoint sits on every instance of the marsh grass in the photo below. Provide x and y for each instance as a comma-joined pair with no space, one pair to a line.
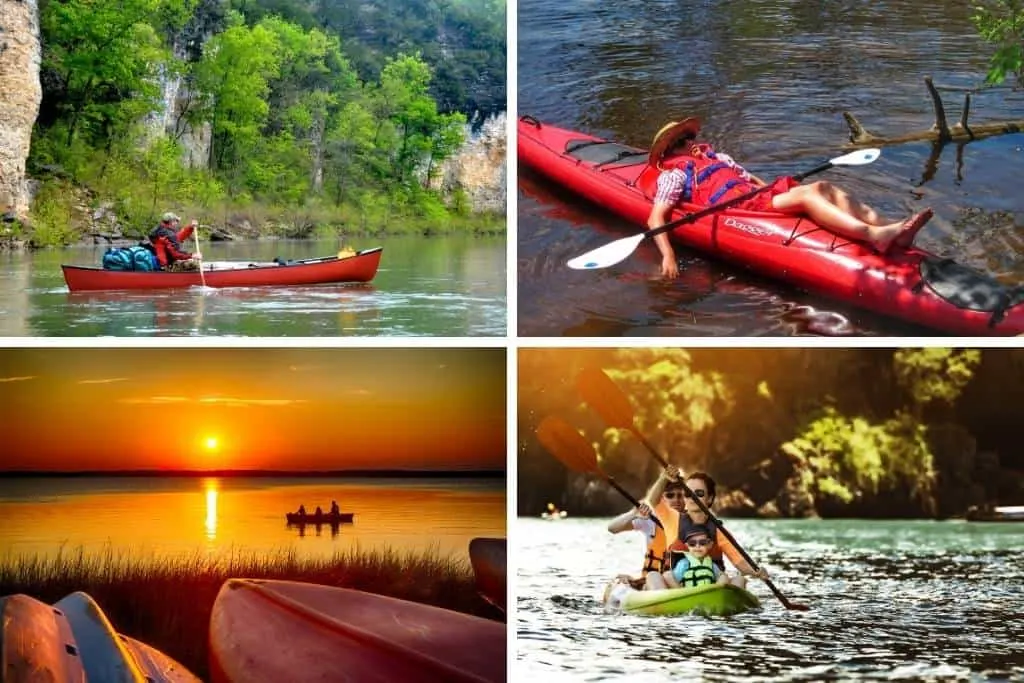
166,602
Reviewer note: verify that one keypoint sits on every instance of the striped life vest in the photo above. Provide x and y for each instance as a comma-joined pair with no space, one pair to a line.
699,573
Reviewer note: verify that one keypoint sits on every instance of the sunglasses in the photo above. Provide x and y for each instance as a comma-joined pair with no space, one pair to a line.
699,543
700,493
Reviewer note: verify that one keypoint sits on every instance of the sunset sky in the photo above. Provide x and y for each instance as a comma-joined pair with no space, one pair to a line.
294,409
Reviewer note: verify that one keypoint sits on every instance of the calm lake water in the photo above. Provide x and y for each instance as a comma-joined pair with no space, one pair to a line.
770,80
162,517
923,601
437,286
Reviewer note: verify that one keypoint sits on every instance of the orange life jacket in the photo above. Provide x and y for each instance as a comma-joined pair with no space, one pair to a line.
656,559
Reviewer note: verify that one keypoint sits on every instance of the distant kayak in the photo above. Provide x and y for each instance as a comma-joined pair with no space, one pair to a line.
273,631
488,557
1006,513
554,516
714,600
362,267
906,283
73,640
340,518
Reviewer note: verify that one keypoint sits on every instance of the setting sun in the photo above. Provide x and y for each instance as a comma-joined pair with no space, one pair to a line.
211,443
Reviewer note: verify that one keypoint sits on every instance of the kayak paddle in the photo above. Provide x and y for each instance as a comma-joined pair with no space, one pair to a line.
604,395
576,453
617,251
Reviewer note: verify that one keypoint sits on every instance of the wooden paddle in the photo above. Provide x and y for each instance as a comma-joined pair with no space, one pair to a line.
195,236
576,453
602,394
620,249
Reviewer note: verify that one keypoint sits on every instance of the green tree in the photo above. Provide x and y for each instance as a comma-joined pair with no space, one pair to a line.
233,78
1002,22
108,57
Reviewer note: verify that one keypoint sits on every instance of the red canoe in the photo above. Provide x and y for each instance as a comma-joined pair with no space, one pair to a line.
910,284
359,268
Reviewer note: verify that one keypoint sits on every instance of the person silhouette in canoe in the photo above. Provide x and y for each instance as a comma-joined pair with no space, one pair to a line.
319,512
335,510
302,510
166,239
695,173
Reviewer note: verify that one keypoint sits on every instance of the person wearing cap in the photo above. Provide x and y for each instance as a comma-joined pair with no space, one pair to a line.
166,239
694,173
695,567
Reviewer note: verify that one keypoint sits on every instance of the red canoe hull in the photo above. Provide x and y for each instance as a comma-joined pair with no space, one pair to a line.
910,284
359,268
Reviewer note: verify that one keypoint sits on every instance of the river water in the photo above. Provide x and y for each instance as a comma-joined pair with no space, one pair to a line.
770,80
437,286
907,600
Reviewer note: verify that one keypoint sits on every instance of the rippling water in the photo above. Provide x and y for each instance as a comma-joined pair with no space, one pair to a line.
890,600
770,79
439,286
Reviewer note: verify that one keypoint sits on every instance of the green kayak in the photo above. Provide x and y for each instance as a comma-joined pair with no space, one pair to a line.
714,600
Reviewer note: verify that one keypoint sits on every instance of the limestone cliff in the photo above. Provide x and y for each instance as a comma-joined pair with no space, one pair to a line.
20,94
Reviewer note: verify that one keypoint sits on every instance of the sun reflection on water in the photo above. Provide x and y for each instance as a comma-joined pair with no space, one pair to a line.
211,487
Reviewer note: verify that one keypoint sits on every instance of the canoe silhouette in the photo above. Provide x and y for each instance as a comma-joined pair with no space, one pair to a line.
340,518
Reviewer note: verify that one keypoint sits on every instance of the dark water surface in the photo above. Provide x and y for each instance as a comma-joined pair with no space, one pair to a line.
923,601
437,286
770,79
170,517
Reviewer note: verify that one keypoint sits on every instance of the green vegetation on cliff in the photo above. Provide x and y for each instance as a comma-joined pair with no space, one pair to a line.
269,116
794,432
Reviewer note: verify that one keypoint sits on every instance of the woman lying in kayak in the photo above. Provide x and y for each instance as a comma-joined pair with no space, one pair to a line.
696,174
679,514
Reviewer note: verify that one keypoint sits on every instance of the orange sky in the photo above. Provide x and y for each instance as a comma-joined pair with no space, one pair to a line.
301,409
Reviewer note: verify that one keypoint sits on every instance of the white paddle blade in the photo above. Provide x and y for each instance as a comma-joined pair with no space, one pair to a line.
858,158
608,255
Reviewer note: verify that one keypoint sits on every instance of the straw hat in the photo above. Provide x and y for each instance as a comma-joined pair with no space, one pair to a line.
670,134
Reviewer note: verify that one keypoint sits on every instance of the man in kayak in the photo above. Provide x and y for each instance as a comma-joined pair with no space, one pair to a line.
166,239
696,174
656,540
695,567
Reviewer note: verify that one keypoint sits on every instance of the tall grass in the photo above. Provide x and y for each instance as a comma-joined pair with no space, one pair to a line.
166,602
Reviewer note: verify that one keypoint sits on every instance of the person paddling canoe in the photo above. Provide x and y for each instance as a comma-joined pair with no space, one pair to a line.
166,239
695,173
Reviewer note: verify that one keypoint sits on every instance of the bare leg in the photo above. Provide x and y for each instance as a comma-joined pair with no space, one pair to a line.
829,216
838,197
654,582
738,580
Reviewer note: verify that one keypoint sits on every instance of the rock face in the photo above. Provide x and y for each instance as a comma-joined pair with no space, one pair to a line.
20,94
479,167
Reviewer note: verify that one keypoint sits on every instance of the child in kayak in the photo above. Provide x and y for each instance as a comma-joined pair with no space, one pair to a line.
697,174
695,567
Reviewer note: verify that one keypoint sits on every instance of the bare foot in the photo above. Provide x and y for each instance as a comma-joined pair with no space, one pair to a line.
900,234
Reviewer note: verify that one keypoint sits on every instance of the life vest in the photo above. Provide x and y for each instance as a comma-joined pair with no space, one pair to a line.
700,572
656,559
709,177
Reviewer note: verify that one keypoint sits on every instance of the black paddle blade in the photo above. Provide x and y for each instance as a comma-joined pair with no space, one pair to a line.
604,396
568,445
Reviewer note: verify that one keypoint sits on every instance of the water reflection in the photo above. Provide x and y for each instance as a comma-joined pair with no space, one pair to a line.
211,486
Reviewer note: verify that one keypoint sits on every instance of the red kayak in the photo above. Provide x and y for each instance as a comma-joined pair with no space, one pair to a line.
906,283
330,269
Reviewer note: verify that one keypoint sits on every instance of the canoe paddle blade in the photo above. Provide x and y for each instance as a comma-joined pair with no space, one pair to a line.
608,255
568,445
604,396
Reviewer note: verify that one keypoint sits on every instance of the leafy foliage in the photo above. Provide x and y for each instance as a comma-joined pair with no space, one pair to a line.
1002,22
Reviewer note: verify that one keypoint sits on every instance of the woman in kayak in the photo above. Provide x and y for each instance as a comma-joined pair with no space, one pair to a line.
691,516
698,175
